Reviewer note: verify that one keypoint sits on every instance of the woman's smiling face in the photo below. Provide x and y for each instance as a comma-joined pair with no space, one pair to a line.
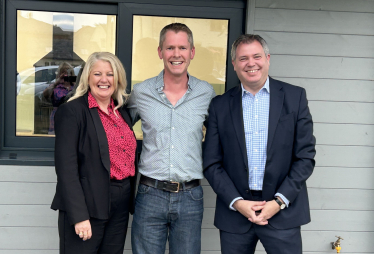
101,81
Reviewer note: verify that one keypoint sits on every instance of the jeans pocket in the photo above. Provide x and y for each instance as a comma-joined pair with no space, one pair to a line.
143,189
196,193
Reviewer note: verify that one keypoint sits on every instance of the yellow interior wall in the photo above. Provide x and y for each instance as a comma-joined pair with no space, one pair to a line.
89,39
34,41
209,63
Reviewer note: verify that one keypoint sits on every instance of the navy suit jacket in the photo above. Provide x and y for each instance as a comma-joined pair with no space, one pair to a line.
289,163
82,162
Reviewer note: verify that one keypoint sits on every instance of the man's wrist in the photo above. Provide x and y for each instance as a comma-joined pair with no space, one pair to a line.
283,198
280,202
233,202
280,199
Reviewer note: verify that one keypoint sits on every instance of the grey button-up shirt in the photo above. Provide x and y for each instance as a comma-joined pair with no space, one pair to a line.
172,135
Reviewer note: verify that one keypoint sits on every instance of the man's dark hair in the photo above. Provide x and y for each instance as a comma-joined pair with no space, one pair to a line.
247,39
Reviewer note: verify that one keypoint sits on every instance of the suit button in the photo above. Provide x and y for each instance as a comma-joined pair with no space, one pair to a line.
246,191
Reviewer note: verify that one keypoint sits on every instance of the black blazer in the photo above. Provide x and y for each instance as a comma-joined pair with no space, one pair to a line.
82,162
289,163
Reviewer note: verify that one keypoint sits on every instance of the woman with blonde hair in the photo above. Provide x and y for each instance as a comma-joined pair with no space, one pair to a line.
95,153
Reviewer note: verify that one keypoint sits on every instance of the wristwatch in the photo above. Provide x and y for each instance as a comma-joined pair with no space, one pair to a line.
282,206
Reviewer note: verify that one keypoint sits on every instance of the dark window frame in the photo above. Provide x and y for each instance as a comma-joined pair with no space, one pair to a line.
40,150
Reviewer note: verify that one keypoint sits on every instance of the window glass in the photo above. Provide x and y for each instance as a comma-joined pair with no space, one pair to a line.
52,48
210,40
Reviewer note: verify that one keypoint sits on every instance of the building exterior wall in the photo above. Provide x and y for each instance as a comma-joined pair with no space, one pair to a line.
327,47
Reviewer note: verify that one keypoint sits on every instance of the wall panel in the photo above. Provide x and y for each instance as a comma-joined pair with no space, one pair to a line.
319,5
321,67
345,156
342,112
321,22
334,89
312,44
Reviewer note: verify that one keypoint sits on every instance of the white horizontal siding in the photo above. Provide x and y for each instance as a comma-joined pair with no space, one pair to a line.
345,156
334,89
320,22
293,43
290,66
342,177
319,5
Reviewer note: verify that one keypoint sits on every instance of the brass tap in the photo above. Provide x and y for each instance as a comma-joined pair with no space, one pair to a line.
336,244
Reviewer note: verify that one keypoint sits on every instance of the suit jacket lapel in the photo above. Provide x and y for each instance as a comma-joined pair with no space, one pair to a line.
237,120
125,116
101,136
276,104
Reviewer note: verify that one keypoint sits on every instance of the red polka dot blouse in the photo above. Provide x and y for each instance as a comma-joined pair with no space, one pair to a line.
121,141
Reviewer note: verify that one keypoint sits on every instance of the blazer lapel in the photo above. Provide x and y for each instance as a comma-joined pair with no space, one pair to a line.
237,120
125,116
101,136
276,104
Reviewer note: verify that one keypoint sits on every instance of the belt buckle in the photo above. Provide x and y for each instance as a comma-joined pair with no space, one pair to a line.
177,187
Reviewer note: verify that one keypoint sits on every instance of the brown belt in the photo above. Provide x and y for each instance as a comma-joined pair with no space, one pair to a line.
168,185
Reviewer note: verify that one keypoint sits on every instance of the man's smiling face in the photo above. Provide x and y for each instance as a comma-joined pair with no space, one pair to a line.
176,53
251,65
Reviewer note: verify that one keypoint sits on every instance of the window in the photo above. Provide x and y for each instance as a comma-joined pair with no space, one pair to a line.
210,41
84,27
52,48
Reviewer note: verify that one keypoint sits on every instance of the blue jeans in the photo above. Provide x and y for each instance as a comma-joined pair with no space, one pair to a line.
160,216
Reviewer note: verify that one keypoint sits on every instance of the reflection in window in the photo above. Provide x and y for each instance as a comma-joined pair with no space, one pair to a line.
209,64
51,51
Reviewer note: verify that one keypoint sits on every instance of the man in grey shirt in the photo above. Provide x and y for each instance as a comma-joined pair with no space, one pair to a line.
172,107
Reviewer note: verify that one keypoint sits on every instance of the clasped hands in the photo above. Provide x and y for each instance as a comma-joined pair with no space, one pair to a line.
250,209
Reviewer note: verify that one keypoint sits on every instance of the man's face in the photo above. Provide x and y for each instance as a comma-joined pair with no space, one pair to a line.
251,65
176,53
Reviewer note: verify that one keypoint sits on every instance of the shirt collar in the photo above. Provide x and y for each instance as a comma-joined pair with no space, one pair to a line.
92,103
265,87
160,81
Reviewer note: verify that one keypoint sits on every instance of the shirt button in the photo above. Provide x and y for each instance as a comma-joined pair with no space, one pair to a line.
124,150
115,125
255,167
171,165
256,132
255,150
172,128
256,116
255,184
121,136
256,99
172,146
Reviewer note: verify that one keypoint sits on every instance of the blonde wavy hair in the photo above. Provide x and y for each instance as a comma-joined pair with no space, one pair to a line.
119,76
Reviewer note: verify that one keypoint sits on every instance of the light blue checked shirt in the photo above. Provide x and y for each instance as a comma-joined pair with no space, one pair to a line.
256,125
172,135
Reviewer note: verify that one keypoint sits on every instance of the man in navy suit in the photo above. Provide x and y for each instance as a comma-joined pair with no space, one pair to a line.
259,151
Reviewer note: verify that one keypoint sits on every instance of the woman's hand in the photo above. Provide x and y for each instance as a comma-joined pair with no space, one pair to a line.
83,229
